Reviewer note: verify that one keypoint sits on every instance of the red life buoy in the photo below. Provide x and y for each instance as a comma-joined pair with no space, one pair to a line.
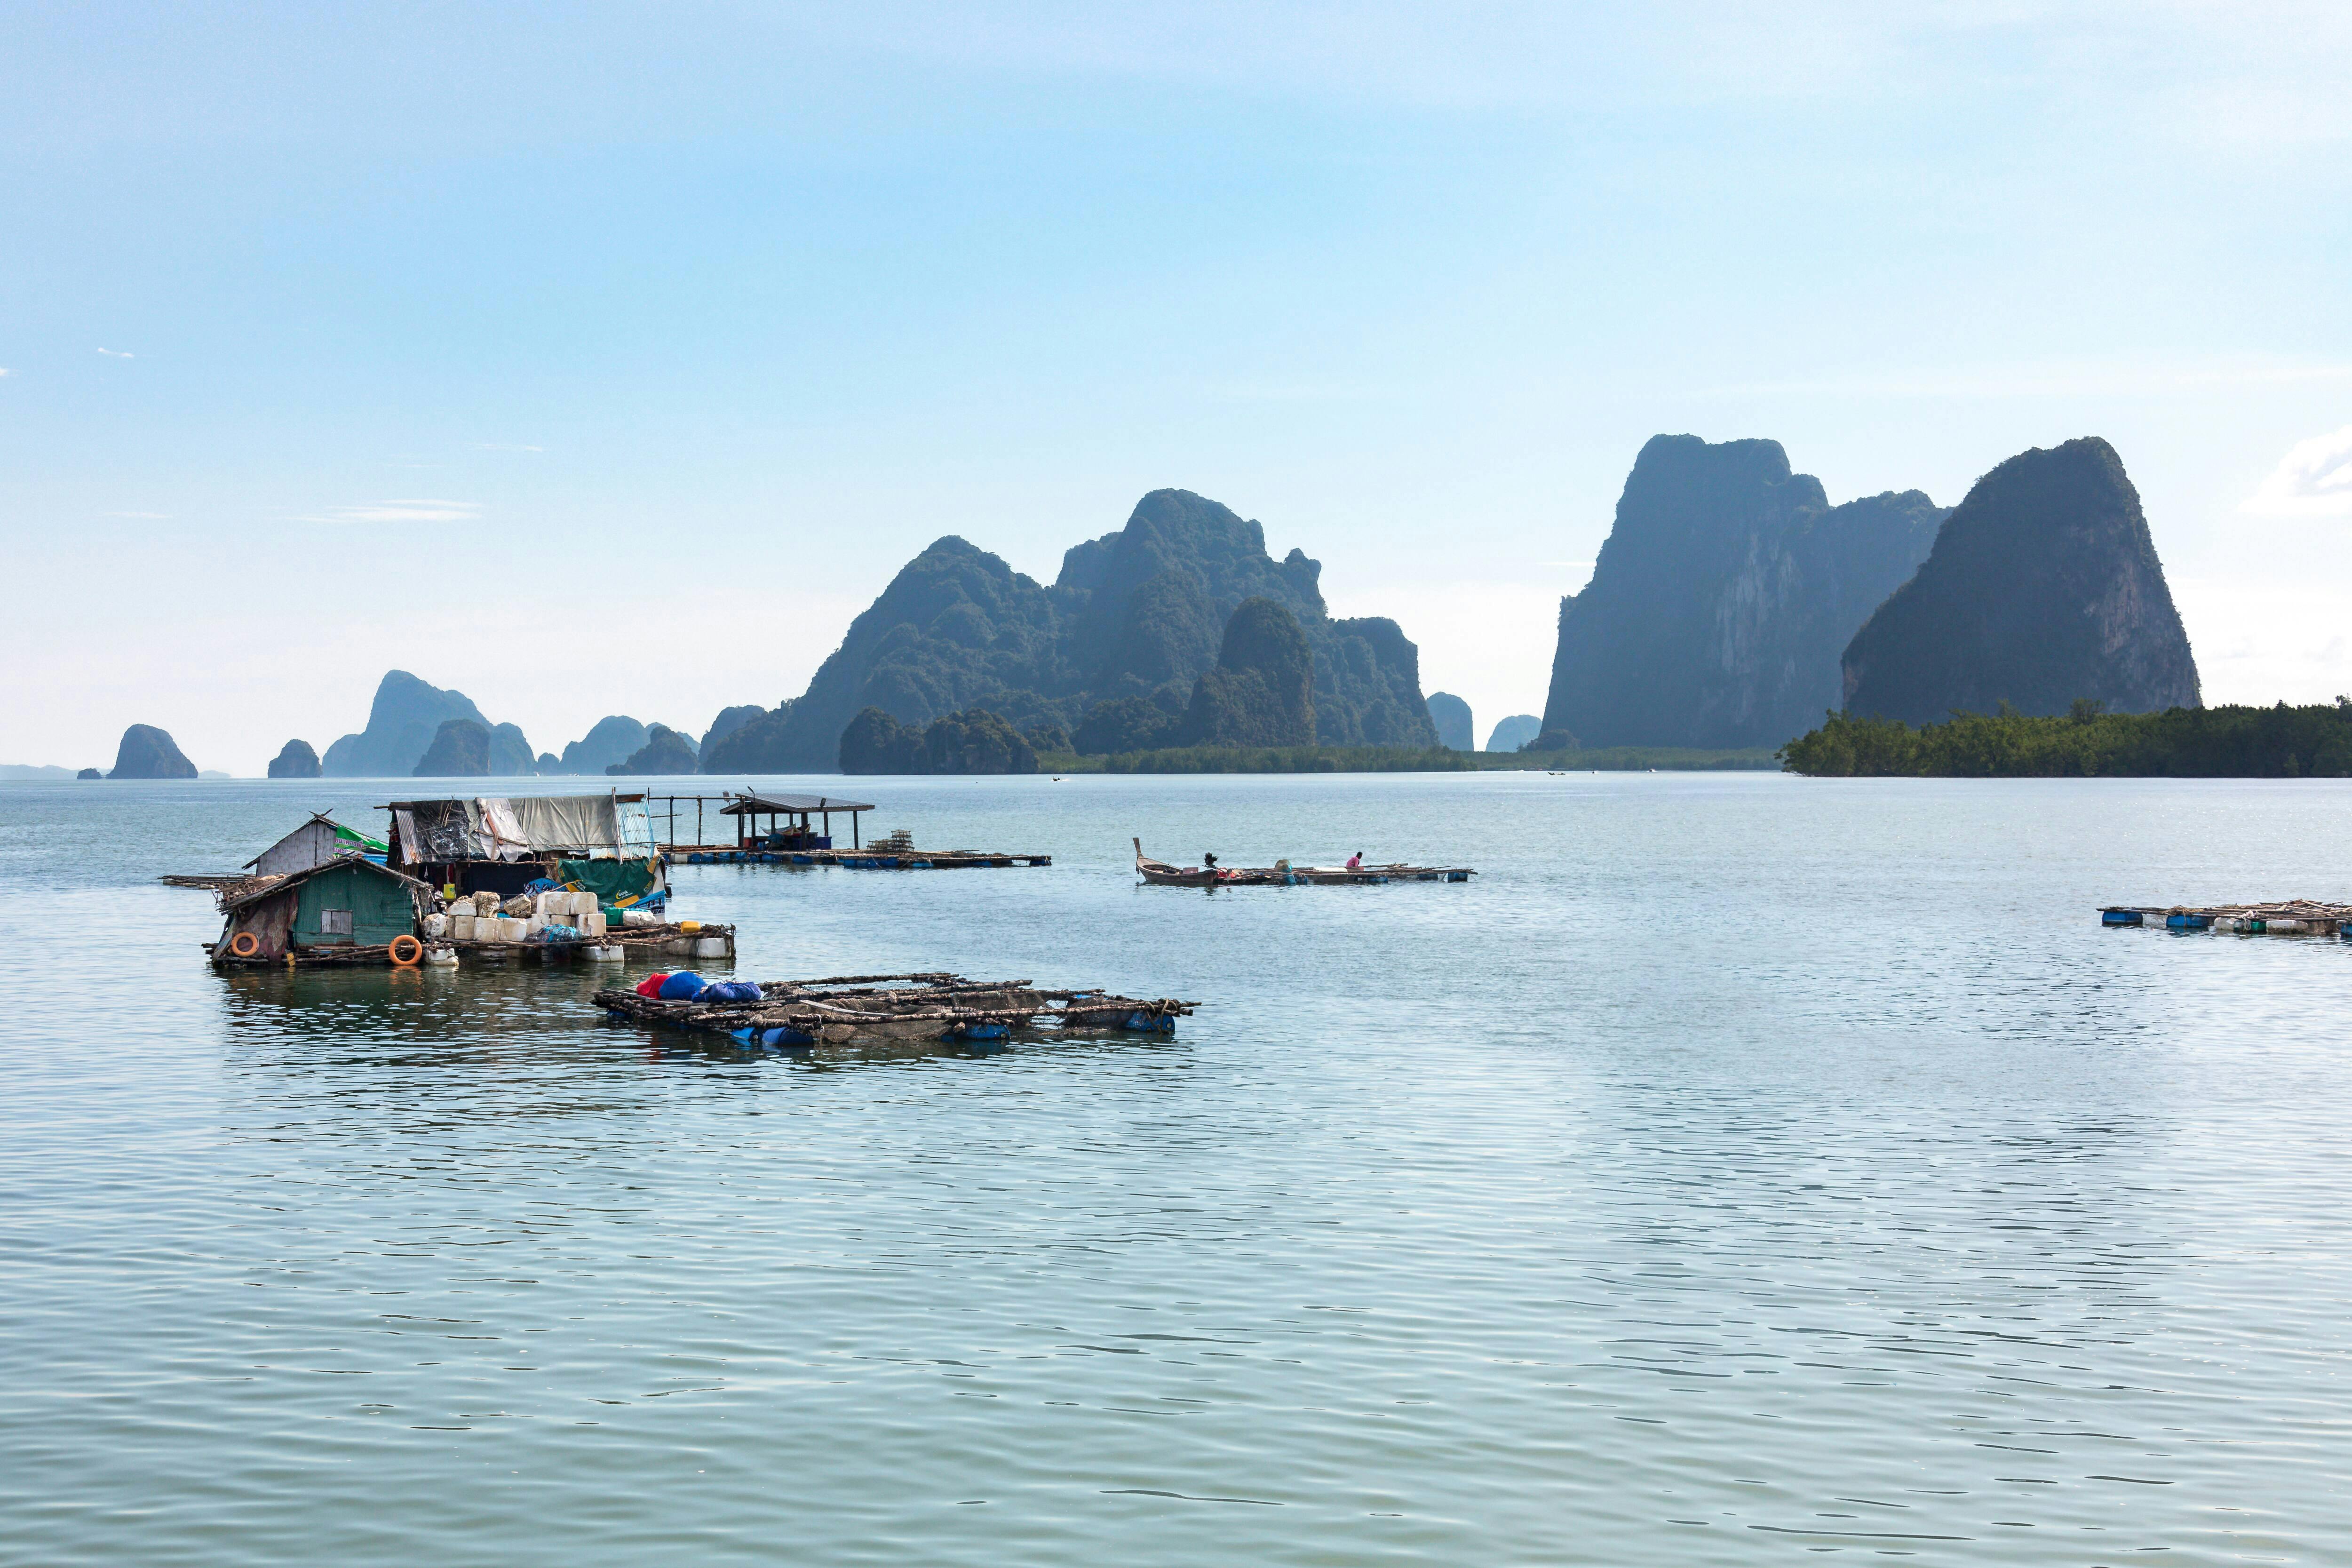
245,944
415,949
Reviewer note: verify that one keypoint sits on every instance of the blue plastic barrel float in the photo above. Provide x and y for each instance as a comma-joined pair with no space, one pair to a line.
2187,923
985,1037
776,1039
1151,1023
2119,917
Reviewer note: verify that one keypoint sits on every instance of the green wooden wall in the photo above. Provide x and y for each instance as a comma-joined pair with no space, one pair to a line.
379,907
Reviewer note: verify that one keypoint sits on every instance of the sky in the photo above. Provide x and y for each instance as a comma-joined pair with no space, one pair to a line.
609,359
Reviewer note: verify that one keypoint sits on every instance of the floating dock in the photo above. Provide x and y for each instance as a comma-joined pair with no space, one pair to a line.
852,1009
2289,917
876,859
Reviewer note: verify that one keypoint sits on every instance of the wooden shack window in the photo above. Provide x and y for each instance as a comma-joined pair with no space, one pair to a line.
334,922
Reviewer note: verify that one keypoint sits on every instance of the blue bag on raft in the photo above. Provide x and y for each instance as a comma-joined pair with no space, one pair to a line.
683,986
730,991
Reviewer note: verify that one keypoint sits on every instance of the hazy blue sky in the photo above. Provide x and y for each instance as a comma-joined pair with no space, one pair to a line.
490,344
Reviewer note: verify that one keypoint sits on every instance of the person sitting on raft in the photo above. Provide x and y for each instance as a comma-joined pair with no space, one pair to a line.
1208,860
1355,861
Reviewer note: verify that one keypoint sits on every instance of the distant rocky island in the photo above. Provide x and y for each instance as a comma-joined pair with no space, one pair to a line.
1515,731
1451,715
296,760
1113,649
2042,590
148,753
417,730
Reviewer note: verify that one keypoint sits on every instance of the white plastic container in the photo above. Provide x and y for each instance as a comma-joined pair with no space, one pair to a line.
592,922
613,954
712,947
461,924
441,957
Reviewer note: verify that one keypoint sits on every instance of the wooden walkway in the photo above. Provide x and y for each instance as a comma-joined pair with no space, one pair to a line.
853,859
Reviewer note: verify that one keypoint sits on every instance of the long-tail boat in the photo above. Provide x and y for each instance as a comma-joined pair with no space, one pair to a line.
1283,874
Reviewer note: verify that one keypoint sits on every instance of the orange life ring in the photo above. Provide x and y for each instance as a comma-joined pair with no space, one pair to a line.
415,951
245,944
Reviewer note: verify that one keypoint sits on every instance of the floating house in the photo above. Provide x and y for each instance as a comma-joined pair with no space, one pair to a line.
315,842
346,909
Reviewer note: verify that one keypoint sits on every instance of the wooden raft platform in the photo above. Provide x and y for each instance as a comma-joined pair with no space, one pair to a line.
849,1009
639,944
2287,917
636,943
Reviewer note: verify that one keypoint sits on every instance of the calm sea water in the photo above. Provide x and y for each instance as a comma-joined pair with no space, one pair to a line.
1740,1169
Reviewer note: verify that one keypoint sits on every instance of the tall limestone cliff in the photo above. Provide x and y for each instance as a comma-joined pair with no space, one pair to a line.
1139,612
2043,587
1721,601
296,760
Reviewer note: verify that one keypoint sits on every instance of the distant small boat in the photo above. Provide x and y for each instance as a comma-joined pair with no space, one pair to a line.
1283,874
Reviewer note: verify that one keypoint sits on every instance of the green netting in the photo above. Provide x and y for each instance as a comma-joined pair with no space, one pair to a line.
616,883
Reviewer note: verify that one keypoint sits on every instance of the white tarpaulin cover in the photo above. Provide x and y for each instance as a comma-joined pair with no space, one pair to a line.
499,828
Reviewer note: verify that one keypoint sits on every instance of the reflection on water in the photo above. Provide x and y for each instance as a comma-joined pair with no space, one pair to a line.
1738,1170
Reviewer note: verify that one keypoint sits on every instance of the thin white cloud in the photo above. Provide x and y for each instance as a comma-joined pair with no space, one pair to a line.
2119,379
117,354
507,447
144,516
3,369
422,510
2313,480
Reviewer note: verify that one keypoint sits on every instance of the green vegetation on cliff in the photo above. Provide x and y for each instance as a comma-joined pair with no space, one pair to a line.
1262,691
2086,742
972,741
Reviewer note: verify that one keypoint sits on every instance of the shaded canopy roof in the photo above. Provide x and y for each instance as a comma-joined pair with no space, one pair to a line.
773,805
511,827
